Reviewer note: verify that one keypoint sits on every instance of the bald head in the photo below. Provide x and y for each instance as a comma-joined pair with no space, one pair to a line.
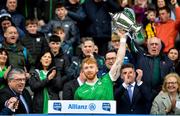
154,46
11,35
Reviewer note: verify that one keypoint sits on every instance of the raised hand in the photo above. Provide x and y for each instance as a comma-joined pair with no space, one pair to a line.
52,75
12,103
27,75
6,72
121,33
139,75
41,23
173,2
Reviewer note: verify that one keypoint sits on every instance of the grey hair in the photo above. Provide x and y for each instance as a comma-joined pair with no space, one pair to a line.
10,75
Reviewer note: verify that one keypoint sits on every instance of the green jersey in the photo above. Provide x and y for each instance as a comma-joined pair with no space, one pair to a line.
2,76
101,90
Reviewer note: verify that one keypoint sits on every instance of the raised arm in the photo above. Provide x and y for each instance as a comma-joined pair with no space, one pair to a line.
115,70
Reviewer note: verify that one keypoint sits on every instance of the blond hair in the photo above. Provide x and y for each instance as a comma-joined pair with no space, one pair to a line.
164,89
115,37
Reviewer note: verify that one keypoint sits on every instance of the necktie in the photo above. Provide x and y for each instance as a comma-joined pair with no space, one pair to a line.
130,92
22,100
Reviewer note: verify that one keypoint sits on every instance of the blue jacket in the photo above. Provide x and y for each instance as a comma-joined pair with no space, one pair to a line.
18,20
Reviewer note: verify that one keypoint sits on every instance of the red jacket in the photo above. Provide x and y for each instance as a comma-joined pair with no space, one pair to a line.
168,31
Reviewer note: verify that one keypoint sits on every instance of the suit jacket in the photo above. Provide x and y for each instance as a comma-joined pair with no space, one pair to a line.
6,111
7,93
162,102
140,101
69,89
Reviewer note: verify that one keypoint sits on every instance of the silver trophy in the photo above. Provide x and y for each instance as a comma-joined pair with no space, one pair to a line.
125,20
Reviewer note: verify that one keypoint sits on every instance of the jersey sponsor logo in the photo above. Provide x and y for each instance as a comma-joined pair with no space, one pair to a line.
57,106
106,106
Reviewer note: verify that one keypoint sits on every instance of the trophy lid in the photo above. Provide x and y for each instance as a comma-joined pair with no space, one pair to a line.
130,13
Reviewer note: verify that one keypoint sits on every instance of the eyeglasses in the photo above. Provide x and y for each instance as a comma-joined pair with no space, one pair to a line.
19,80
168,83
115,41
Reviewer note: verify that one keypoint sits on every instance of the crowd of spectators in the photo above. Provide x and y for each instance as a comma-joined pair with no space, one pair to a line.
69,50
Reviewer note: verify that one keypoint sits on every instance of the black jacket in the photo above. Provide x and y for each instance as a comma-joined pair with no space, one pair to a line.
69,89
35,43
6,93
37,86
62,63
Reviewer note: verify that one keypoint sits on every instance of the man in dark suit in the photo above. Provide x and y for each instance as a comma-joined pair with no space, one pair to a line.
71,87
16,88
132,96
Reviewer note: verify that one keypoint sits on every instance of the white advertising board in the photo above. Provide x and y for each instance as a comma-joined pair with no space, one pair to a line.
81,107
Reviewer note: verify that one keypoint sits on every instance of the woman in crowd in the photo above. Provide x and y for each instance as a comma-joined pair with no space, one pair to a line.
3,66
44,83
168,100
173,54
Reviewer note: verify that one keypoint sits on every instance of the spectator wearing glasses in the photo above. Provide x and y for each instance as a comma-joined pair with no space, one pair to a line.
110,58
16,80
167,101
